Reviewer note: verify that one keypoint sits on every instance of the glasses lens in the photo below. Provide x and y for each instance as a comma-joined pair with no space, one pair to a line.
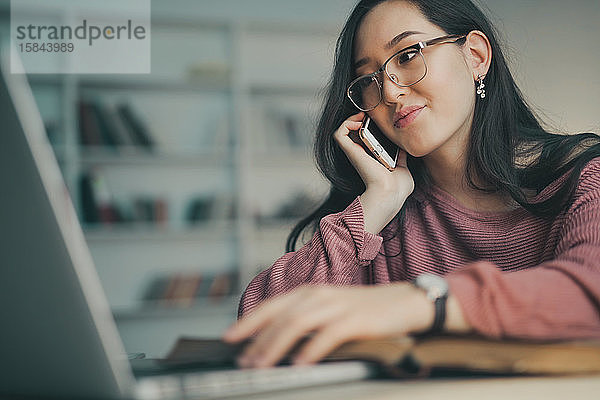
406,68
365,93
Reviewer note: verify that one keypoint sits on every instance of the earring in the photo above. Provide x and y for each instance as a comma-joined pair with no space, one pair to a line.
480,88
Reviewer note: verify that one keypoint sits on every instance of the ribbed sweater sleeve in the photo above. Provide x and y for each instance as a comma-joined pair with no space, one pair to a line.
334,255
559,298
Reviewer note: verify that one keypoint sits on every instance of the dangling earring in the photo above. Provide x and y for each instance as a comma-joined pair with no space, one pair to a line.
480,88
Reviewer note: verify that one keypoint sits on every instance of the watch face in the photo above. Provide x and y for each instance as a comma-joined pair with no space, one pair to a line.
434,285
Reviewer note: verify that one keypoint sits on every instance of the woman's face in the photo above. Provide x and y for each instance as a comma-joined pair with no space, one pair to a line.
446,92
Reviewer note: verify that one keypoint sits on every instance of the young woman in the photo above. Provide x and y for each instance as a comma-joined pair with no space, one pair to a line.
488,224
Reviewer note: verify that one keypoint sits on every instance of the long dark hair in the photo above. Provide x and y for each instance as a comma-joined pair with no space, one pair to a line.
505,130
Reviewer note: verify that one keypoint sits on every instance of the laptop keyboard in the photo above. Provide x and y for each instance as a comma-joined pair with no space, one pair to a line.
224,383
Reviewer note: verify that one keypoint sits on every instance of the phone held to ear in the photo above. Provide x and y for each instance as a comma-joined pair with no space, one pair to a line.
378,145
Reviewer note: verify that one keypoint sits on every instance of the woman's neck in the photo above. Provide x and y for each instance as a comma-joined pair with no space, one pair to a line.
447,167
448,172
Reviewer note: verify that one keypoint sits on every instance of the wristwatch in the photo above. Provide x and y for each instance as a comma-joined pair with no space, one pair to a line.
436,289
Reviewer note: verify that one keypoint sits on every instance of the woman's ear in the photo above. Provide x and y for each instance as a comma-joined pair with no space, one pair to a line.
478,52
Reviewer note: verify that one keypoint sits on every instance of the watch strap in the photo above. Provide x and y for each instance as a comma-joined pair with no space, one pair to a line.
440,315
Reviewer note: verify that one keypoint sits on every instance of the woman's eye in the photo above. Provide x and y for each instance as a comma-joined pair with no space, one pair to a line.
403,58
367,81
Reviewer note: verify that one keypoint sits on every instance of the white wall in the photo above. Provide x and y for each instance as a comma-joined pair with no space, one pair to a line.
555,53
553,45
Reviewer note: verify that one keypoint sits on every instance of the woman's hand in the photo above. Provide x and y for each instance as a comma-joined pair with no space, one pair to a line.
374,175
386,190
333,315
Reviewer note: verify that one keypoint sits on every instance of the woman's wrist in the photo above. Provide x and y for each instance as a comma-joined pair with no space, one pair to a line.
455,319
379,208
447,314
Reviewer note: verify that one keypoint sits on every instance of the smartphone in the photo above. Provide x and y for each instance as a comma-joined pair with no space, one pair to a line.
380,147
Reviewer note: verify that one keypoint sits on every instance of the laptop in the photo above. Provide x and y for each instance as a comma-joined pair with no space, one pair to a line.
58,336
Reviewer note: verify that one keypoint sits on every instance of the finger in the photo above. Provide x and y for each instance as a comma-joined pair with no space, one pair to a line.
277,340
359,116
323,343
352,123
355,151
249,324
345,131
271,345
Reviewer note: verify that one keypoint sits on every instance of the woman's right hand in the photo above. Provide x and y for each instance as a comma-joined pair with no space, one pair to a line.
386,190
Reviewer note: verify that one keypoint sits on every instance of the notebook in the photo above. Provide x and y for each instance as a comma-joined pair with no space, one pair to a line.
58,336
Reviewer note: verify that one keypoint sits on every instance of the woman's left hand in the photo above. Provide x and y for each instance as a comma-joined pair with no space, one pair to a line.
333,315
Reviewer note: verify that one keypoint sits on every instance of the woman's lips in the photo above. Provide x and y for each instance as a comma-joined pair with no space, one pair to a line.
410,117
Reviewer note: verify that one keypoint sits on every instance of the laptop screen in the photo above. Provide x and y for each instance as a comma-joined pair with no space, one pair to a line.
57,330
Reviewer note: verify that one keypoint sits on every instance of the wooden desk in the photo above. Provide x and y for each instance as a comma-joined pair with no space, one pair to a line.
563,388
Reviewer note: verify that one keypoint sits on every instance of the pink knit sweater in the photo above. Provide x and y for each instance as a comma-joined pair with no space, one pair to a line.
514,274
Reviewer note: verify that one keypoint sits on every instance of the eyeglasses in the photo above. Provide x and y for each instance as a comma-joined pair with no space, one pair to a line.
404,68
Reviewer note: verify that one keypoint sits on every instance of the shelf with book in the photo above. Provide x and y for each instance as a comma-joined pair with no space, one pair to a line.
198,165
162,216
191,290
156,121
140,264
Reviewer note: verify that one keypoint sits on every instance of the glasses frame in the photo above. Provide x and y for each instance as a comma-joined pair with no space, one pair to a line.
419,46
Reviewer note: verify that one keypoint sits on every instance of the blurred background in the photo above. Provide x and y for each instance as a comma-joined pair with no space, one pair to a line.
188,180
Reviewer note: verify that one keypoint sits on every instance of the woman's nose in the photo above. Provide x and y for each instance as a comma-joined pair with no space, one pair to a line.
390,91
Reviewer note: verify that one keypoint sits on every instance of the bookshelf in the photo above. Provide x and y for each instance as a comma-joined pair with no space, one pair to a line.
230,168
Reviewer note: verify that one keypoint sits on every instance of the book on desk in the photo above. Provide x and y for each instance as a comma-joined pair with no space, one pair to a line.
411,357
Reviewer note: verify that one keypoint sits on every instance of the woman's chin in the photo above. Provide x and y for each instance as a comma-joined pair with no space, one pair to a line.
417,152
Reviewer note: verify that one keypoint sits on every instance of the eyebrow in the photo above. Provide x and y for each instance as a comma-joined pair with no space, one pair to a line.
390,45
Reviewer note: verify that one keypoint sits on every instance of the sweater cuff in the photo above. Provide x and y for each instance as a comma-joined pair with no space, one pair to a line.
465,285
367,243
